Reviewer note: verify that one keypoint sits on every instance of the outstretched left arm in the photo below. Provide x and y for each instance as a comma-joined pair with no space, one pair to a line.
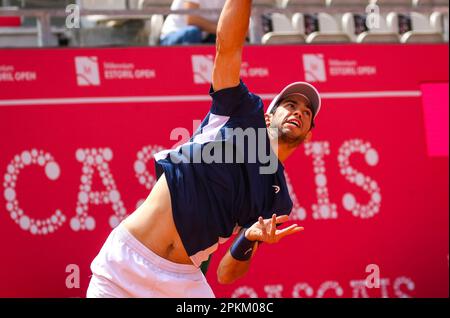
230,269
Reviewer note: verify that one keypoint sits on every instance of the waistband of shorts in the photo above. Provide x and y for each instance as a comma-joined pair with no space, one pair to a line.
124,235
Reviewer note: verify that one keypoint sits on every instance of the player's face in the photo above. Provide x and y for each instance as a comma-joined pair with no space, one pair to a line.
292,119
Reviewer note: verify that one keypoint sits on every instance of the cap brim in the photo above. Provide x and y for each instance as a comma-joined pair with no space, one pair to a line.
302,88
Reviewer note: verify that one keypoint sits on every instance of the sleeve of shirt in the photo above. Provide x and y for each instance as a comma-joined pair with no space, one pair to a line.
236,102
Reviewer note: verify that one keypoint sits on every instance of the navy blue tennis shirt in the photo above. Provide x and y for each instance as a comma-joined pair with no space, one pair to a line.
213,199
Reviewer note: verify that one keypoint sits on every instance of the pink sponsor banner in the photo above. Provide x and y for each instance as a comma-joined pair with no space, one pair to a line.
435,107
78,129
131,72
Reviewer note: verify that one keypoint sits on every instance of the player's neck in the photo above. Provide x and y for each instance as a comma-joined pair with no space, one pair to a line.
285,151
281,149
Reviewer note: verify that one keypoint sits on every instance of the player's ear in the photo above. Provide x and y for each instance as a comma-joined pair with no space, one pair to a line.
268,118
308,136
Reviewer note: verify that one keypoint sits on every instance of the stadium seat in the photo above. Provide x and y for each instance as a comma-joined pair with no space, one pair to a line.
439,21
422,37
422,31
392,3
329,31
359,3
298,23
17,32
103,30
430,3
91,21
355,26
286,37
24,37
103,4
281,23
268,3
156,24
282,31
418,28
152,3
300,3
319,28
18,37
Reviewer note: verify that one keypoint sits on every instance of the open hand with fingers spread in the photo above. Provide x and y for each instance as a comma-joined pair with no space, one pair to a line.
265,230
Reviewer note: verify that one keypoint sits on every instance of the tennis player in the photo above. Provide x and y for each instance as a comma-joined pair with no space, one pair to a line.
198,203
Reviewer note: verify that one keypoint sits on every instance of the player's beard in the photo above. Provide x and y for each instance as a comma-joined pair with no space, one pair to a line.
291,141
288,139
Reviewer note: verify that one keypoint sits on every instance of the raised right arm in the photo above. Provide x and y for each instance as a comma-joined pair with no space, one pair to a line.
231,33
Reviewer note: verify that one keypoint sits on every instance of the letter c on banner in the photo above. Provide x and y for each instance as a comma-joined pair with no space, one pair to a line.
52,171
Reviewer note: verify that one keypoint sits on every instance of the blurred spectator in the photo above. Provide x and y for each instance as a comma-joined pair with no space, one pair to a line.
404,23
267,23
191,29
360,23
311,23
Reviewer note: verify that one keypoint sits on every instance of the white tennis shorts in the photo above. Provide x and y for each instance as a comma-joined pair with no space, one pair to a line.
126,268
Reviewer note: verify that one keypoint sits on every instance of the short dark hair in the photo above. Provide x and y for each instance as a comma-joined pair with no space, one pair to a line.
274,109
